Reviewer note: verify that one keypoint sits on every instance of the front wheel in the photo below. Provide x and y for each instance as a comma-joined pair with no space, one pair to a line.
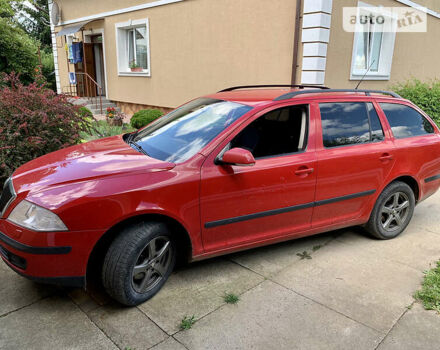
138,263
392,212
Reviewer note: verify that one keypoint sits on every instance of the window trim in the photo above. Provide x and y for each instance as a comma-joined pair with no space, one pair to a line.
369,122
122,59
386,55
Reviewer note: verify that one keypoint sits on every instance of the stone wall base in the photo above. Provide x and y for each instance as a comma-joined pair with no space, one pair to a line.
130,108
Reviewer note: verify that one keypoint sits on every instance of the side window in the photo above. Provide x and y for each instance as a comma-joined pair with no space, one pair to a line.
349,123
406,121
278,132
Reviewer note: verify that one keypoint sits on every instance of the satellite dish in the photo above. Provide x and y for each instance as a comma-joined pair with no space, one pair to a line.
55,13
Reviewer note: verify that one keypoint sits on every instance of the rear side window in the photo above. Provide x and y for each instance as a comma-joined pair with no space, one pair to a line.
349,123
406,121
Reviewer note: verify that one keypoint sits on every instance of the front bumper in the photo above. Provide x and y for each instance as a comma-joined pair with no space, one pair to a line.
47,257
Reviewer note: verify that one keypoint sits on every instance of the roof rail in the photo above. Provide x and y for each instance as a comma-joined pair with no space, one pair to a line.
292,94
274,85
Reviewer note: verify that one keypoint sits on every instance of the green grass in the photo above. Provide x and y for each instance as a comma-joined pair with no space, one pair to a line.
304,255
429,295
231,298
102,129
187,322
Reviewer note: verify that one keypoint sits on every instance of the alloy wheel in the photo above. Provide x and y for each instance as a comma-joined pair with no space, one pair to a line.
394,211
152,264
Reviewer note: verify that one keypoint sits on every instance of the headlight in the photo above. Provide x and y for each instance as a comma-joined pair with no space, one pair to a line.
36,218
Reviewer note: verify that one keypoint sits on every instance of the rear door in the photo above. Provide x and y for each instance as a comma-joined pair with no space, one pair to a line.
417,144
354,157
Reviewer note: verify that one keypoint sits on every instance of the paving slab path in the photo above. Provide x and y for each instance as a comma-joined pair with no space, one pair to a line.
354,293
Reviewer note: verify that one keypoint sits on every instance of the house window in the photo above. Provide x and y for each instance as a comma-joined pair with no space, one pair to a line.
133,49
373,46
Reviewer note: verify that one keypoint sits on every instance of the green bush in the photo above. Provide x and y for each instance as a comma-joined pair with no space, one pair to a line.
34,121
144,117
85,112
425,95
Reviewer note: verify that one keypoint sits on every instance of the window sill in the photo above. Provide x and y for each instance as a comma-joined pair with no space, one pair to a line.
134,74
369,77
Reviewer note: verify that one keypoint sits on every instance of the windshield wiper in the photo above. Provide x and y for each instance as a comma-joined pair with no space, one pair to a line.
137,147
131,136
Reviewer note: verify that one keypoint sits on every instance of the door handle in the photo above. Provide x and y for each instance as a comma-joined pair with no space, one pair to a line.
304,171
386,156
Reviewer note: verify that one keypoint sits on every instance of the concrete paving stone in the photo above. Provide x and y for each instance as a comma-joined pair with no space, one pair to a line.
426,213
197,290
52,323
364,286
127,327
91,299
273,317
17,291
83,300
415,247
273,258
169,344
418,329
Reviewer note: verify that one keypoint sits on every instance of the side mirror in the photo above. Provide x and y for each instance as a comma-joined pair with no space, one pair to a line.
238,156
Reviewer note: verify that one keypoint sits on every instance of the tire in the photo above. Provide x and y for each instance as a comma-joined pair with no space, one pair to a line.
150,248
384,223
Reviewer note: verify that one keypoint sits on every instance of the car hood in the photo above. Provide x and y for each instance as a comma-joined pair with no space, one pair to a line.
85,162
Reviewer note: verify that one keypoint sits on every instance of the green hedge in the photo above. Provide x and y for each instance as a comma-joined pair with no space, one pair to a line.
425,95
144,117
85,112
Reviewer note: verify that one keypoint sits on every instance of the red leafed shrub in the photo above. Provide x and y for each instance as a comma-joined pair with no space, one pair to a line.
34,121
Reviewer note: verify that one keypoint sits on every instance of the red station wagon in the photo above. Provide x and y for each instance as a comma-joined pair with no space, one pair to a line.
245,167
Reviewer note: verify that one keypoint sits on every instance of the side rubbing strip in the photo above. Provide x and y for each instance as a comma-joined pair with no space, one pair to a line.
258,215
285,209
344,198
432,178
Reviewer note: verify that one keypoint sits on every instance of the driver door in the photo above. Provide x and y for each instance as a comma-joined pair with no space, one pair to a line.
241,205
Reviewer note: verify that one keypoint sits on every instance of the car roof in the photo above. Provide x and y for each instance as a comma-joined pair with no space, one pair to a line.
257,96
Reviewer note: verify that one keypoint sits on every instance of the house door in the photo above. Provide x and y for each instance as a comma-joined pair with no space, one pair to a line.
98,56
86,72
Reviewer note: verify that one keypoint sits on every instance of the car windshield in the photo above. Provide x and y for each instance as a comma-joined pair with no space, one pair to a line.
183,132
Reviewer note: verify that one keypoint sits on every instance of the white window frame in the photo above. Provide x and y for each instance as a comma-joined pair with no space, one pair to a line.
385,56
123,63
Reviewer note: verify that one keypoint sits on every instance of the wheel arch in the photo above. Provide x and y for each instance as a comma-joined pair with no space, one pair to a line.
94,263
411,182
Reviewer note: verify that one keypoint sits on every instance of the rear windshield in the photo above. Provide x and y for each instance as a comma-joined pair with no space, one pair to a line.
183,132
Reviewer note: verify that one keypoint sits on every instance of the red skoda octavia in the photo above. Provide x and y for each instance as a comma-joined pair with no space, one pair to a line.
241,168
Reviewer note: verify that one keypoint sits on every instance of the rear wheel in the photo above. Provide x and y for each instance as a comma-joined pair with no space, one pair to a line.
392,212
138,263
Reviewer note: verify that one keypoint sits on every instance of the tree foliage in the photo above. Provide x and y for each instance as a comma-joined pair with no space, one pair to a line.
35,20
25,27
18,52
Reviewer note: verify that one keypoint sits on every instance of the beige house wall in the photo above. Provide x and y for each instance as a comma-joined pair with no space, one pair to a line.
201,46
416,55
197,47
